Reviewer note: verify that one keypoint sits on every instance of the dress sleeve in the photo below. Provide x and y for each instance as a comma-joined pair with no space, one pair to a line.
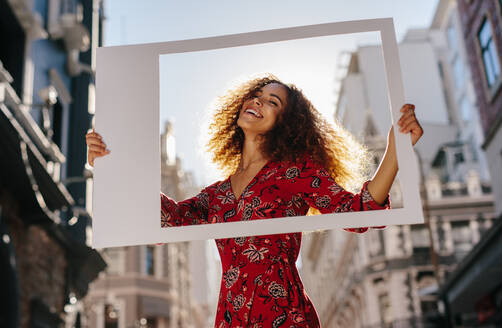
187,212
319,190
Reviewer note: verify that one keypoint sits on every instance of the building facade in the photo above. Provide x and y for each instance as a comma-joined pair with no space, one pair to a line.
390,278
386,278
482,31
46,82
458,86
472,294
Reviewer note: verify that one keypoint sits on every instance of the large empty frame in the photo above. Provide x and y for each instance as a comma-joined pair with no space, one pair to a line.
126,202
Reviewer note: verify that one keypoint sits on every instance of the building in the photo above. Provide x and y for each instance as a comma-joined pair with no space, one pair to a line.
363,93
482,33
46,82
390,278
472,294
458,84
387,278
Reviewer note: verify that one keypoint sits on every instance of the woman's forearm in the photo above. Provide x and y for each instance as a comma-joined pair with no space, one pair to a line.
384,176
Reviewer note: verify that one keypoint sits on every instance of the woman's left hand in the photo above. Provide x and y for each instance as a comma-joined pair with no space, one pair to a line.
408,123
380,185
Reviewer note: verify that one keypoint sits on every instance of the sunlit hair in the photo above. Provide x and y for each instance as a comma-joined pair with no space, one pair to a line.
299,130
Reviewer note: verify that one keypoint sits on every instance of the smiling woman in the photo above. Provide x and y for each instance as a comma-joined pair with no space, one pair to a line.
282,158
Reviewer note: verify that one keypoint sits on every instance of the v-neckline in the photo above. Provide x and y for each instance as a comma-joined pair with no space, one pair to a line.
249,183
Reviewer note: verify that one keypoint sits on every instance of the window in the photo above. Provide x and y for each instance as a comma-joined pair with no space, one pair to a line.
489,53
428,306
384,309
462,238
150,260
152,322
111,316
458,157
419,236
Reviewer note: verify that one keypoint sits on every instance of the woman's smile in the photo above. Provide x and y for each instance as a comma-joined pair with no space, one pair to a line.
261,110
253,112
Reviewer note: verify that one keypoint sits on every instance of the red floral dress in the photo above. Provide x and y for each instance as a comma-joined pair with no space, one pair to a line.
261,286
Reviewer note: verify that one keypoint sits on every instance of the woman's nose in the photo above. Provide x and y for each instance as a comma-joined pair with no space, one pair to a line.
257,100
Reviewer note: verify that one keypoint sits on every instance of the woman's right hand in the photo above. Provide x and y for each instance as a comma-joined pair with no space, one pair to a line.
97,148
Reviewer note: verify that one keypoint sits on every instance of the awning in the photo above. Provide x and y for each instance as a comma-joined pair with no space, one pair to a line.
23,170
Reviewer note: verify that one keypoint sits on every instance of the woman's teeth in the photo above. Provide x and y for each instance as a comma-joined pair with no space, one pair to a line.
253,112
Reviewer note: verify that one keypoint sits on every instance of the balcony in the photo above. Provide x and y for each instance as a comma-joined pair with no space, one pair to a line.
30,159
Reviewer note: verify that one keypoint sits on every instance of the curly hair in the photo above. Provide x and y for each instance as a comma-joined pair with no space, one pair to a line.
298,131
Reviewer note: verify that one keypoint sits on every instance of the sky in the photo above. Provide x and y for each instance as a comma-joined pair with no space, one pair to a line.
190,81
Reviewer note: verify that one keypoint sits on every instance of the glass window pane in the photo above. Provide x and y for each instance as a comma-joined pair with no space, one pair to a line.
150,264
485,34
495,59
490,76
462,238
111,316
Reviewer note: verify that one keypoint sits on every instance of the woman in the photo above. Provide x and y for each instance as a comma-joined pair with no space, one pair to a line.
282,158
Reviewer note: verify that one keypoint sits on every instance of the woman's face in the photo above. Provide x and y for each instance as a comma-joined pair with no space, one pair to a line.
260,112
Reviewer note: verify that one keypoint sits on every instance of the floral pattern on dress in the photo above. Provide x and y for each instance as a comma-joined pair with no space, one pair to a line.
260,284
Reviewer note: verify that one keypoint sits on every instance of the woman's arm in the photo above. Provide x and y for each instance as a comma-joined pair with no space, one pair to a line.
313,184
380,185
187,212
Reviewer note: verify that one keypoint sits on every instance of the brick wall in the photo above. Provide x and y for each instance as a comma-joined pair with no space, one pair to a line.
41,262
472,14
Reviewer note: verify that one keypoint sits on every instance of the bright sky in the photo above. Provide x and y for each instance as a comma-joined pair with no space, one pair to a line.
190,81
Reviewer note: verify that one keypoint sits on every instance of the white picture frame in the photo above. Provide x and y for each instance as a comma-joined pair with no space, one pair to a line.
126,195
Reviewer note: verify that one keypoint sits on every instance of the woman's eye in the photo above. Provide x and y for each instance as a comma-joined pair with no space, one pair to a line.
273,102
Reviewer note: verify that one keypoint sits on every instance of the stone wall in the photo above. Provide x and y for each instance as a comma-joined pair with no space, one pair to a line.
41,263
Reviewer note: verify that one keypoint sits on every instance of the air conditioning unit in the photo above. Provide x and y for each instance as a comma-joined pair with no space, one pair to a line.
74,34
30,20
68,27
